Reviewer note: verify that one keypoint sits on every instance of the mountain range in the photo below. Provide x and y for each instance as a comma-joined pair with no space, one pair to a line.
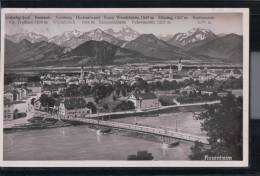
119,47
102,53
75,38
25,52
30,36
228,48
150,45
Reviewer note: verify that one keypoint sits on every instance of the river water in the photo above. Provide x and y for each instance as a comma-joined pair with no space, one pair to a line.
83,143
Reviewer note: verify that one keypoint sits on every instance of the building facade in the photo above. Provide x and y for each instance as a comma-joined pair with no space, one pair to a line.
8,110
144,101
9,95
73,107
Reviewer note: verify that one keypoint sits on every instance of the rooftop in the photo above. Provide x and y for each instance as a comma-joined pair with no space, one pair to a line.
145,96
75,103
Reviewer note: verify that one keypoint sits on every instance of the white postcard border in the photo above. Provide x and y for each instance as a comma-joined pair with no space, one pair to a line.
110,163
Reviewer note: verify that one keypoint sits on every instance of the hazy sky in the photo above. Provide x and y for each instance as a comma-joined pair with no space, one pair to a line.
55,24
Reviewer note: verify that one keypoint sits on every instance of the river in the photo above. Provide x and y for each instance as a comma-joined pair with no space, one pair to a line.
83,143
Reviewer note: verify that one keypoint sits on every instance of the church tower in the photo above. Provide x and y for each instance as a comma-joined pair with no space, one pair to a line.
82,72
170,72
179,65
81,78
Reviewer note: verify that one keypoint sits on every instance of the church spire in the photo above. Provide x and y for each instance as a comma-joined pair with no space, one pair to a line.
82,71
170,72
179,65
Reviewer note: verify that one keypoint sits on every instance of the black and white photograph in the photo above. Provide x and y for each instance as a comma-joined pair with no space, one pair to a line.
124,87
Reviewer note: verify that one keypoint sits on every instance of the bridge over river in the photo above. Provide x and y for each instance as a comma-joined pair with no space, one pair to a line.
163,132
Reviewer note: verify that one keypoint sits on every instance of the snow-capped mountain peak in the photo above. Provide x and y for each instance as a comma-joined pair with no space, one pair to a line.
165,37
67,35
30,36
74,33
95,34
191,36
125,33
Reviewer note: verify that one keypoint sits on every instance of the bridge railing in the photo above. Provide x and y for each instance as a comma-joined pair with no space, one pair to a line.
148,129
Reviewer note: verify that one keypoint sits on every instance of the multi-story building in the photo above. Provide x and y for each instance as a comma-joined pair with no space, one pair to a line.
73,107
9,95
8,110
144,101
35,88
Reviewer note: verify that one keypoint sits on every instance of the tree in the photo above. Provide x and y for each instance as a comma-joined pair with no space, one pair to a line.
84,90
101,91
123,92
92,106
35,78
124,106
141,155
47,101
184,93
55,95
158,84
44,99
196,151
223,124
72,90
166,85
51,101
142,85
16,111
32,101
9,78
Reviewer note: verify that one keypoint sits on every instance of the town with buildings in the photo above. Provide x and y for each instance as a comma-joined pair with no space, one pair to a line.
117,88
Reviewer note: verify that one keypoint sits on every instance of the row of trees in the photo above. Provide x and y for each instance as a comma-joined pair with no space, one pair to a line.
233,83
122,88
99,91
166,101
49,102
197,97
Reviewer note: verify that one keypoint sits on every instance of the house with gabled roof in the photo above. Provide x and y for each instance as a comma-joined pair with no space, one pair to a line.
144,101
188,89
73,107
8,109
9,95
34,87
49,90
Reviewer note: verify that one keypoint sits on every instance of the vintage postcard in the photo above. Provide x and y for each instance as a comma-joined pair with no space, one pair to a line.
146,87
